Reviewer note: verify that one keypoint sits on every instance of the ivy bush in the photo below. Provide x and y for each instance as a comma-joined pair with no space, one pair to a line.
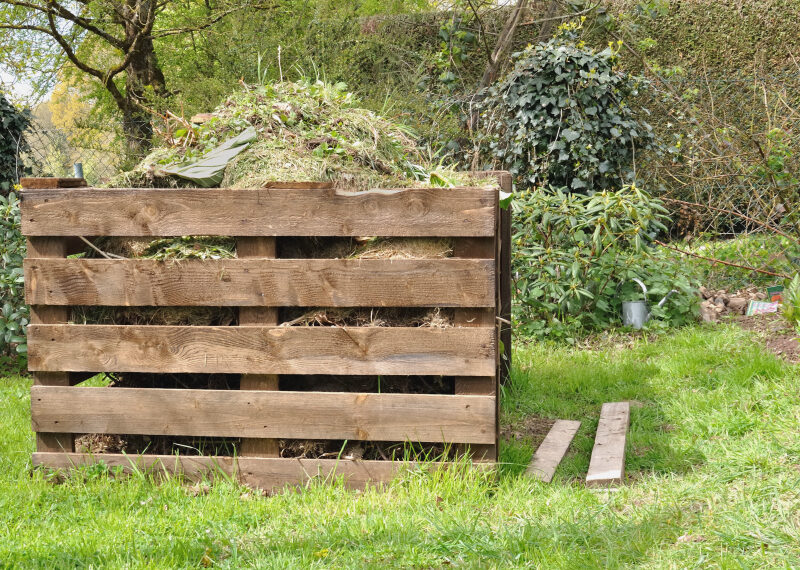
13,311
575,255
561,117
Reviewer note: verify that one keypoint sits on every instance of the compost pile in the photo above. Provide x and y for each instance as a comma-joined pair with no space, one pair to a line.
304,132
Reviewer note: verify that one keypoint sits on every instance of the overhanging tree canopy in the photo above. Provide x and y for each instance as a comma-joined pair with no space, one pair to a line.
111,41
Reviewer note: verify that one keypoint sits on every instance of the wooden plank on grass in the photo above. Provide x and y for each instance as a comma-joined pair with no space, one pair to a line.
262,282
262,350
260,212
607,465
269,474
262,414
552,450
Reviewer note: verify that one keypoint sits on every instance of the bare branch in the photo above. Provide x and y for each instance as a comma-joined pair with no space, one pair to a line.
56,9
210,22
713,260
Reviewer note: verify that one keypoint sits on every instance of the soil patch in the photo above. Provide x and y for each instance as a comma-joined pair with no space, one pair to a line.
774,332
532,429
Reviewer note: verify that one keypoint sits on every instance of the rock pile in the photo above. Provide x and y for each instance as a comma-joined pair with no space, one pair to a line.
719,302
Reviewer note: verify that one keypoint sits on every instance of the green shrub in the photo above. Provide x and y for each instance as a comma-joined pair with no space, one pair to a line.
574,256
13,311
791,302
561,117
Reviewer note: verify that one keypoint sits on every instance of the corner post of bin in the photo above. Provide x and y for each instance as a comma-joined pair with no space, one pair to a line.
503,273
52,247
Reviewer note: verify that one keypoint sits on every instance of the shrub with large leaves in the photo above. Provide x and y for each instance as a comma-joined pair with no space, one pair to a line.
561,117
13,123
13,311
574,256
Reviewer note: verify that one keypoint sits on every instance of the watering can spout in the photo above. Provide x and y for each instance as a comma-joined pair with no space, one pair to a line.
667,296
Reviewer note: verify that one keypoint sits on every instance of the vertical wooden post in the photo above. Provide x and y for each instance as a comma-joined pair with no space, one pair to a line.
503,268
482,248
45,314
263,248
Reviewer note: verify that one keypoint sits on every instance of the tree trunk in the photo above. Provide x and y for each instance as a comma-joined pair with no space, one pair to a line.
504,42
143,74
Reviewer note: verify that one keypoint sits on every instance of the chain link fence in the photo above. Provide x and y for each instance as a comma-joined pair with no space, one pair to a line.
49,151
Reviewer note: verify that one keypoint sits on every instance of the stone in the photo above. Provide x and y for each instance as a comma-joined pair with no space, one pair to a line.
708,312
201,118
737,305
705,292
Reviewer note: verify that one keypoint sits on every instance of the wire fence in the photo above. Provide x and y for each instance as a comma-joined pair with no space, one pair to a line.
48,151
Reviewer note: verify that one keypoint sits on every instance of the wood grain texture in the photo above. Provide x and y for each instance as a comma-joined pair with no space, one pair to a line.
263,249
262,350
41,183
480,248
607,465
259,212
56,248
268,474
262,282
260,414
551,451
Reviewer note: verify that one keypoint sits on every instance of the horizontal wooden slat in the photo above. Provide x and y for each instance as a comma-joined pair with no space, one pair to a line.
259,212
248,414
269,474
262,282
262,350
35,183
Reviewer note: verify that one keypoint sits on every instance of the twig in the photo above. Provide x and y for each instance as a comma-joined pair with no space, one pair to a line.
100,251
713,260
731,212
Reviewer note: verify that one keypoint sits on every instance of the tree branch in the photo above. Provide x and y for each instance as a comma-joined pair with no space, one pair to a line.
56,9
713,260
208,23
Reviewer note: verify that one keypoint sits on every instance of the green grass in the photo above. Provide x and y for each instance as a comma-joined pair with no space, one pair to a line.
713,457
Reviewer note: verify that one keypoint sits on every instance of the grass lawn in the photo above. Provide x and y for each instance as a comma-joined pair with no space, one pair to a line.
713,462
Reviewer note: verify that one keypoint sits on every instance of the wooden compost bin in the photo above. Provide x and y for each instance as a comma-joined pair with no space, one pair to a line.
475,282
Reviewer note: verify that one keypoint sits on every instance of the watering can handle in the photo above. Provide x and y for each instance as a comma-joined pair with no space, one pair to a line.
637,281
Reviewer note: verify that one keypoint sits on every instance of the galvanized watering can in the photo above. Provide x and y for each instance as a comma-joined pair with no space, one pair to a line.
636,313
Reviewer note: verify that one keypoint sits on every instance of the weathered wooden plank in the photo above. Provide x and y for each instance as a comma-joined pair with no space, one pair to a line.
552,450
260,212
193,467
260,414
262,350
41,183
607,465
54,248
268,474
262,282
264,250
